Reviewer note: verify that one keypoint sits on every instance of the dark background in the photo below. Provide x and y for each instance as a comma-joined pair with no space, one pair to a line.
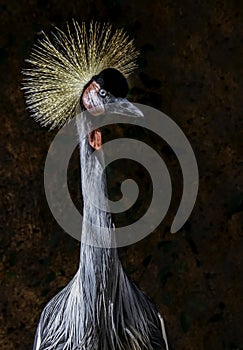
190,68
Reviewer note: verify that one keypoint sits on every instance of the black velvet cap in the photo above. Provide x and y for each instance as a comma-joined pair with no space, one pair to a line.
113,81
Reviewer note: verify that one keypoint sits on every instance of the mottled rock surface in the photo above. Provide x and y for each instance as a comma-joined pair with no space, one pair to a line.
191,69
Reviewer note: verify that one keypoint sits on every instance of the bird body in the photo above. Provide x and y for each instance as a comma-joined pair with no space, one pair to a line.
100,309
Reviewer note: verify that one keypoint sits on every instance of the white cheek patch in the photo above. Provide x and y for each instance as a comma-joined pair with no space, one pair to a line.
93,102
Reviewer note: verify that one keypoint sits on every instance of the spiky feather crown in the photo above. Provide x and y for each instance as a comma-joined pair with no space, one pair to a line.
62,64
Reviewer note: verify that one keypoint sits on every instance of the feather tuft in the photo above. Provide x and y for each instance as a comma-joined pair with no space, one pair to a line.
63,63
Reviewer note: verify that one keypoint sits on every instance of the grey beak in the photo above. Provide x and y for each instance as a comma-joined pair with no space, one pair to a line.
122,106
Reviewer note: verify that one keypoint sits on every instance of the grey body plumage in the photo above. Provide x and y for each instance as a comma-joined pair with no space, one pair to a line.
100,309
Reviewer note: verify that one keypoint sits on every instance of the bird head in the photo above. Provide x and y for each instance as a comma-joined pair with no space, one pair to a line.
106,92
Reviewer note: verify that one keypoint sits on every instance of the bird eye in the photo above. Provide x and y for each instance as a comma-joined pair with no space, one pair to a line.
102,92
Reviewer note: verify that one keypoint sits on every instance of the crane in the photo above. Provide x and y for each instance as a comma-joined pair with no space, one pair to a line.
100,308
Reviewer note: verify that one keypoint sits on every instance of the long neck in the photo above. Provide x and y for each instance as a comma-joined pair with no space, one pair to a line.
97,229
99,263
